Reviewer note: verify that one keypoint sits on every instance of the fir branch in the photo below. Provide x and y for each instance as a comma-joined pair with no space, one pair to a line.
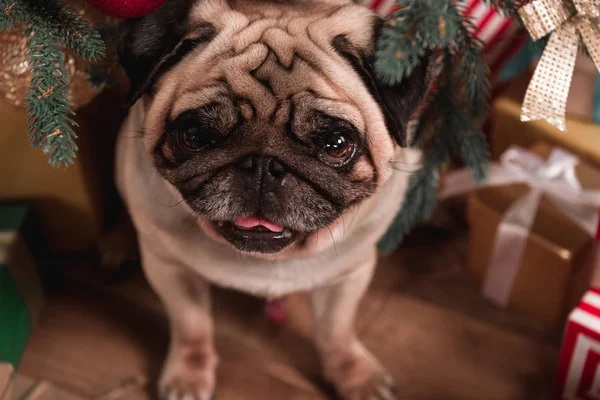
420,200
105,72
473,150
78,34
463,123
475,76
451,122
428,121
473,68
14,13
416,27
398,53
9,9
68,29
437,23
50,26
418,205
48,99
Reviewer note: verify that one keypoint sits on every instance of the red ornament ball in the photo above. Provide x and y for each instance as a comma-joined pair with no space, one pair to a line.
126,8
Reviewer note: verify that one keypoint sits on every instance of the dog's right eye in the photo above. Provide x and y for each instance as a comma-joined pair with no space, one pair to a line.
194,138
207,126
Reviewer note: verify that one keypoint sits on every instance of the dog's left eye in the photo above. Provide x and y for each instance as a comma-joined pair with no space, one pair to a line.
337,145
337,148
194,138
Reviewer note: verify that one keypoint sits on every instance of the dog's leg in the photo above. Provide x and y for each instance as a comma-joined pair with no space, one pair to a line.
189,370
356,374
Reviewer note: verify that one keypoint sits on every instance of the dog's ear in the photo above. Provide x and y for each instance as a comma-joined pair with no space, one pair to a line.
150,45
397,102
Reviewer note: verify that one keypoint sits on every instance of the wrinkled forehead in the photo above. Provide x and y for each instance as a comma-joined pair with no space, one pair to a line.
287,28
275,61
269,55
225,13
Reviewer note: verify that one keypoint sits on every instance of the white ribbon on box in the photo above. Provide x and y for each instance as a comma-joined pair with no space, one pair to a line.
554,178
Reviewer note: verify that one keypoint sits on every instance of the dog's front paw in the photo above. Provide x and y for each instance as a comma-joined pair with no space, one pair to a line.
379,386
179,393
188,375
358,376
185,387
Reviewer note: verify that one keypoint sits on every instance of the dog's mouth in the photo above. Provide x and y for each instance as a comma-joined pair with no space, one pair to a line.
256,235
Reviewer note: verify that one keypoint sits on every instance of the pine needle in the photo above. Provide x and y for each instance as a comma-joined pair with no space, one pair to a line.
451,122
51,26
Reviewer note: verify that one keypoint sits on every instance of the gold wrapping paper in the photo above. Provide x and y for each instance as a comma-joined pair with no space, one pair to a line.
556,267
568,20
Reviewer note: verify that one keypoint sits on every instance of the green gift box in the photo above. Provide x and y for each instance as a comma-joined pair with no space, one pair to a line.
22,278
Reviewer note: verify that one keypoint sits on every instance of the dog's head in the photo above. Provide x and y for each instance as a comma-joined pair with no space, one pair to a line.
266,114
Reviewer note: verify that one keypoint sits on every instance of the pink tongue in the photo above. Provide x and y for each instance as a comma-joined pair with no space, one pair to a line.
253,222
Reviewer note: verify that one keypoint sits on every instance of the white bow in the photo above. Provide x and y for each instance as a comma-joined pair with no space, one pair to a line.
556,179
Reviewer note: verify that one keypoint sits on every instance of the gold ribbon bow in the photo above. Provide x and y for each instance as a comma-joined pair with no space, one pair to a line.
546,96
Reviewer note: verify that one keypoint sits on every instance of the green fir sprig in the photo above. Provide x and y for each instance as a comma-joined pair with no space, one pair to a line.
451,122
51,26
421,196
104,73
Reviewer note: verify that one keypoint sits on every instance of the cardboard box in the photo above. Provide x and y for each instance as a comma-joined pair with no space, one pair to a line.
582,137
556,267
71,202
581,101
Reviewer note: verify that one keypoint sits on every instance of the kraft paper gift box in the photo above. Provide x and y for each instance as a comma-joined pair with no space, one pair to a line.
582,136
22,274
555,267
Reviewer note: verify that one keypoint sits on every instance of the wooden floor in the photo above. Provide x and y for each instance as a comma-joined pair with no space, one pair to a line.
422,317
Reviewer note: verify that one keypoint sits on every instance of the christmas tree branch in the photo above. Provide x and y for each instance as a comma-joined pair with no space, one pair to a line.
451,121
104,73
50,26
420,200
47,99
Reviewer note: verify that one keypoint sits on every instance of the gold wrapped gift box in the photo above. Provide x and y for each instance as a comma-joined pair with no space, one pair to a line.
557,264
582,137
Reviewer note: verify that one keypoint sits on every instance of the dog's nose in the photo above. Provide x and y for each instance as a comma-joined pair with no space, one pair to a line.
267,170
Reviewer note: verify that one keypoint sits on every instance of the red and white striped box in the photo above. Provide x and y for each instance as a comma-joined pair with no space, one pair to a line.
503,36
578,376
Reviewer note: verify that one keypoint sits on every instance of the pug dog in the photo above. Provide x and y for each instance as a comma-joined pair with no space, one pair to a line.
261,153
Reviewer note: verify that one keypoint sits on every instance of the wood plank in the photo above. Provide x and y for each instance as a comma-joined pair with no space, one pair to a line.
423,317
